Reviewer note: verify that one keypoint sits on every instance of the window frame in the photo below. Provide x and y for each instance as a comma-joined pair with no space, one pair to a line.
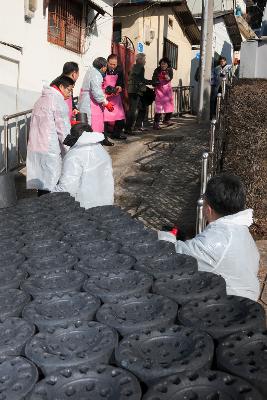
170,50
66,26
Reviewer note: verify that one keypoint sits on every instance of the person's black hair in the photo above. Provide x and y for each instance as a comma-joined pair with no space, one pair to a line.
112,55
75,132
70,67
222,58
165,60
225,194
63,80
99,63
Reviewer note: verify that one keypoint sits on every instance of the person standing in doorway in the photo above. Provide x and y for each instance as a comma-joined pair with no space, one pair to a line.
136,89
92,99
50,125
71,69
161,80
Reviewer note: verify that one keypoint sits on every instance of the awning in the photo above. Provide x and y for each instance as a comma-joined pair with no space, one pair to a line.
188,23
245,29
231,26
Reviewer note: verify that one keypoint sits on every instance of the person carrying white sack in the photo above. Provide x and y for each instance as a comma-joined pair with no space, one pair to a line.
226,246
87,167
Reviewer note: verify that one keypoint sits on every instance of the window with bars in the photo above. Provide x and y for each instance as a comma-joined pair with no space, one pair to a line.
66,24
170,50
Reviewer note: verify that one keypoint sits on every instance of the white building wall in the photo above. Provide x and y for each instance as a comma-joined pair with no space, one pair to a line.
22,74
219,5
222,44
40,60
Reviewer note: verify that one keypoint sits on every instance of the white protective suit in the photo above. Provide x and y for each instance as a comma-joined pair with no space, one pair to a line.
87,172
92,95
226,248
50,125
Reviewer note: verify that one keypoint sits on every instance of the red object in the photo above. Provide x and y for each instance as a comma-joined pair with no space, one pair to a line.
175,231
109,107
73,122
163,75
126,57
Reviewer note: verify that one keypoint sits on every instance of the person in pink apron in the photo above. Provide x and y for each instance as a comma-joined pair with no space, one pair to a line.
161,80
71,69
113,84
92,99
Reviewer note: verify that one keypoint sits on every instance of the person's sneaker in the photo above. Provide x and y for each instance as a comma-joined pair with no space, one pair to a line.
107,142
156,126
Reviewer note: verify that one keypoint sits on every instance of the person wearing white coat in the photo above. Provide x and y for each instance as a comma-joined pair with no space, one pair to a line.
87,169
92,99
50,125
225,247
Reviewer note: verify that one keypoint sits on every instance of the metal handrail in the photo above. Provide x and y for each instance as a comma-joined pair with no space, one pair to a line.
201,223
6,119
19,114
223,87
210,160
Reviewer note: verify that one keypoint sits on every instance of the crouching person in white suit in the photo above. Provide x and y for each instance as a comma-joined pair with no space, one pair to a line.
87,167
225,247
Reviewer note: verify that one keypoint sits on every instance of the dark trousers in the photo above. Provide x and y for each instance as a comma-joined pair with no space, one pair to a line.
117,130
136,113
157,117
42,192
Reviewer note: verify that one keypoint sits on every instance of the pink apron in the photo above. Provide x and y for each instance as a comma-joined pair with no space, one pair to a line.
69,104
97,116
164,97
118,113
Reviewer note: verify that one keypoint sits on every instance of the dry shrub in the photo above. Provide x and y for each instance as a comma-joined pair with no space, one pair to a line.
246,145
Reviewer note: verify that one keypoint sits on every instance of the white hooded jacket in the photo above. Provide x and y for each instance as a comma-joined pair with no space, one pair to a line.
50,125
226,248
87,172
